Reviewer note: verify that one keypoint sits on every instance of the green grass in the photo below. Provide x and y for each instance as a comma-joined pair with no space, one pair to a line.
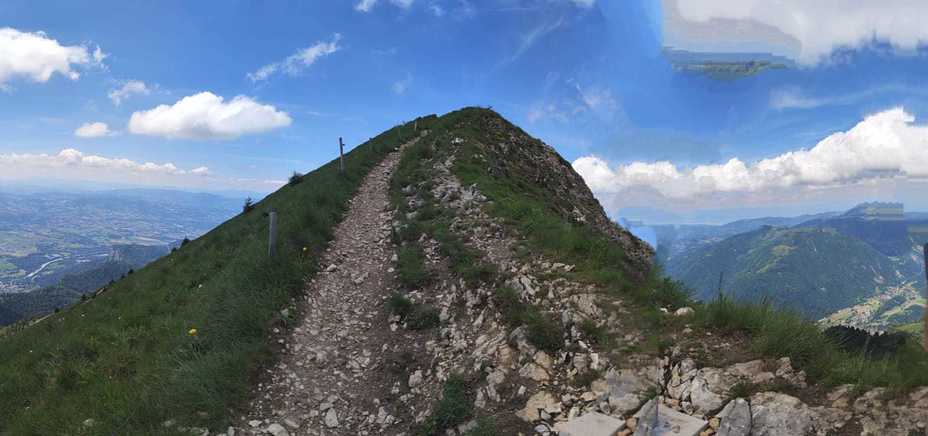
542,330
484,427
776,333
453,408
125,359
410,267
416,316
524,205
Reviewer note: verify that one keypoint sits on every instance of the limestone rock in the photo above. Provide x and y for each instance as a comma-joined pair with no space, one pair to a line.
331,419
540,402
627,389
709,389
590,424
276,429
735,418
776,414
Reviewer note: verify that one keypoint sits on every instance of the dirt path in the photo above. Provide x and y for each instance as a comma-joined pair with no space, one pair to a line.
329,378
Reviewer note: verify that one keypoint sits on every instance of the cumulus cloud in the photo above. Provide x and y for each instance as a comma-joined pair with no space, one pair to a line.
298,61
884,145
128,89
807,31
92,130
208,116
36,57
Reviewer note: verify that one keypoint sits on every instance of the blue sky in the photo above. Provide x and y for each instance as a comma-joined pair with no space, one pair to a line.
237,94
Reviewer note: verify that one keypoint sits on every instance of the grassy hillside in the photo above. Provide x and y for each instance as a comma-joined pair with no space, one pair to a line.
811,270
179,338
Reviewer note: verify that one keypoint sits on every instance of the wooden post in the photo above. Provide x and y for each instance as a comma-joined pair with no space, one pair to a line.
272,233
721,276
925,328
341,155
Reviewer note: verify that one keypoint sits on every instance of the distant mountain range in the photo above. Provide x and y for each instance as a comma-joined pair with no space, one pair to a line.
864,269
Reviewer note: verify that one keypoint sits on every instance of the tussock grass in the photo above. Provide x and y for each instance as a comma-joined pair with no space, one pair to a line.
416,316
126,359
454,407
542,330
776,333
410,266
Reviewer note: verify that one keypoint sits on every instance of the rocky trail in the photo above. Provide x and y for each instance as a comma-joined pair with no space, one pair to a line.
330,378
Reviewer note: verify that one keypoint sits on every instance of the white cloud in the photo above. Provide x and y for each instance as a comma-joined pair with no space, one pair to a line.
70,161
437,10
128,89
791,98
93,130
403,4
208,116
582,100
544,111
99,56
807,31
598,99
584,3
298,61
401,86
36,57
534,35
884,145
73,165
365,5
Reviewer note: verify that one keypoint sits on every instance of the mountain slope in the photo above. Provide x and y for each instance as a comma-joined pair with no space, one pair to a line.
86,278
815,271
128,360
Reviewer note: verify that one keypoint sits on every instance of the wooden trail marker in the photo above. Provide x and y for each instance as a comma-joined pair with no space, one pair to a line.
721,277
272,233
341,155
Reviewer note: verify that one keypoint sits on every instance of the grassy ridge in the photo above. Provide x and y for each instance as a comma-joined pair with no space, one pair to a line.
128,359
